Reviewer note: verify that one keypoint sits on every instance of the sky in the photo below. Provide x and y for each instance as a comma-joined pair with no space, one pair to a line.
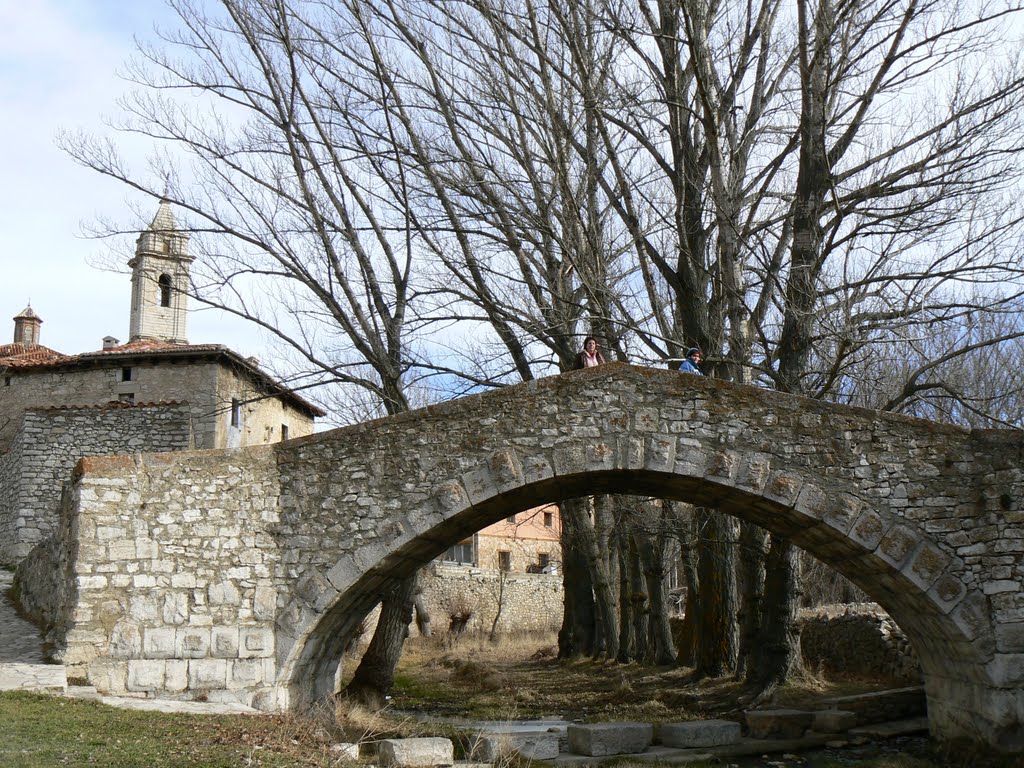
59,70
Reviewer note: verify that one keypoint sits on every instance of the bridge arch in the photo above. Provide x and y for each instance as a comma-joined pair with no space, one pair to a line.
877,497
239,575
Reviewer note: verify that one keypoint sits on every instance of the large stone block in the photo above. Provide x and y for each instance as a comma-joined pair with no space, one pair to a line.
778,723
532,745
429,752
602,739
158,642
207,674
145,675
699,733
255,642
834,720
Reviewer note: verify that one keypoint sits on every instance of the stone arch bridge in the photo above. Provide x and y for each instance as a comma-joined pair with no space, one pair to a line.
241,575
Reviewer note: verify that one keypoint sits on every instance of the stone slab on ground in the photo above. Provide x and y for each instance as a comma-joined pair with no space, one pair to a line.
171,705
44,678
883,706
345,750
905,727
603,739
833,721
532,745
699,733
778,723
425,752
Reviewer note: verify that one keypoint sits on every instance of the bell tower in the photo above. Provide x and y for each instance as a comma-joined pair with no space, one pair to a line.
160,280
26,327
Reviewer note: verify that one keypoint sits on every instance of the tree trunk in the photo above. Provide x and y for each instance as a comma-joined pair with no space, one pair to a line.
422,615
652,560
375,674
576,637
777,650
628,642
717,636
502,577
688,644
596,542
750,575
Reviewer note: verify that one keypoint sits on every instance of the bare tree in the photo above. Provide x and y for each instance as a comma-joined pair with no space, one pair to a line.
789,189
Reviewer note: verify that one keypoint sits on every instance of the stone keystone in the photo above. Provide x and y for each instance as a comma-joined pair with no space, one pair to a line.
532,745
602,739
699,733
778,723
431,752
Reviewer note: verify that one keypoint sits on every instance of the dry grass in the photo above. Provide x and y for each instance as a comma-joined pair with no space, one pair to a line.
520,677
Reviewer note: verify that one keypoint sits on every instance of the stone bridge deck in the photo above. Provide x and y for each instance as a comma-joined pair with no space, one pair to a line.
241,575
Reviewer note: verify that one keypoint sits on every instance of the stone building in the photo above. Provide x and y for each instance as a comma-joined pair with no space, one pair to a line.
157,392
527,542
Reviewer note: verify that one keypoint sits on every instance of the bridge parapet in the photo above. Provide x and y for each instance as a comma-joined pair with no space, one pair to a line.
243,574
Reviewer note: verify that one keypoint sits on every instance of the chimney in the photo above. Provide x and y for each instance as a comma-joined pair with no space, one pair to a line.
26,327
109,342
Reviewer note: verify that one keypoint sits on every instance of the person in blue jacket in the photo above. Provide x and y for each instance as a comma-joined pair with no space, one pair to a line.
693,358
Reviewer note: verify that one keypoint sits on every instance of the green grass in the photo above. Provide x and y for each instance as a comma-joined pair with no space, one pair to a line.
38,731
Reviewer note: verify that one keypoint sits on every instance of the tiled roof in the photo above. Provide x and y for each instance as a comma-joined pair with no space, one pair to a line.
146,346
38,356
164,220
20,355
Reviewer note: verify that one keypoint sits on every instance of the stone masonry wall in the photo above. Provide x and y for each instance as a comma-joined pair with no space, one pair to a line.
176,598
181,554
858,640
150,383
531,602
208,386
10,492
52,440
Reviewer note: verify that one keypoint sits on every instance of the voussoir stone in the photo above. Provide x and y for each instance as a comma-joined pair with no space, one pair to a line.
602,739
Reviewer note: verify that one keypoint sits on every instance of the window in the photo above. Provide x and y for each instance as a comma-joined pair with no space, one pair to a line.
7,381
284,432
461,553
504,560
236,412
543,560
165,290
511,519
549,520
126,374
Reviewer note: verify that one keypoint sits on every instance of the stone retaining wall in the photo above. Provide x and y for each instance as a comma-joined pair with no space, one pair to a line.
859,640
530,602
